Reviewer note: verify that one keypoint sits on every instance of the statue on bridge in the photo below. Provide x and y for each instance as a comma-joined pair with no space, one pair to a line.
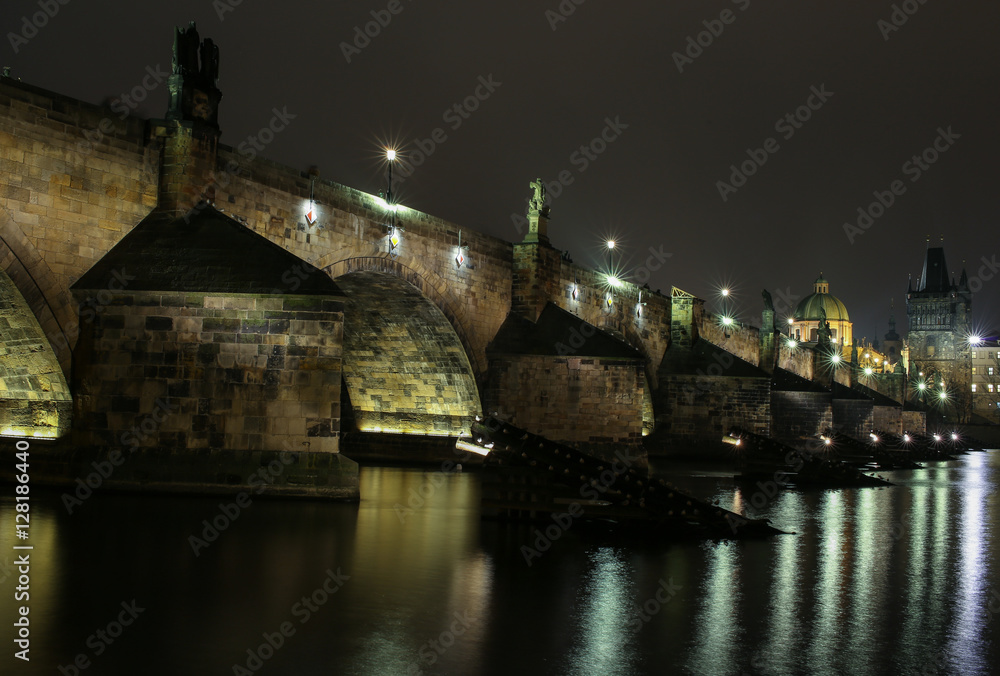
537,203
194,93
768,302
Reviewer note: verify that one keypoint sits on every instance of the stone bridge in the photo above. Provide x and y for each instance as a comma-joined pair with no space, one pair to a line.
146,266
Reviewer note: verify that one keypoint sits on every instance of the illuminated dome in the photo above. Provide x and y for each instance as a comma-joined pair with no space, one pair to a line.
809,308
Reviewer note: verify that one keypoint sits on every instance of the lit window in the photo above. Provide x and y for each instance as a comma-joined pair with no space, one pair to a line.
989,387
973,387
973,370
989,370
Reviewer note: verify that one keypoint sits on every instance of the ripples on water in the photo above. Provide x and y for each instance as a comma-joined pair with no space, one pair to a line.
896,580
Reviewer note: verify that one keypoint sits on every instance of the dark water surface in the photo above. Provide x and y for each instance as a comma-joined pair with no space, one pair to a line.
896,580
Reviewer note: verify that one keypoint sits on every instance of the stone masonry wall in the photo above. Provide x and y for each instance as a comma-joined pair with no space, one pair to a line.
800,416
648,331
853,417
34,396
591,403
191,372
697,410
888,419
74,178
914,421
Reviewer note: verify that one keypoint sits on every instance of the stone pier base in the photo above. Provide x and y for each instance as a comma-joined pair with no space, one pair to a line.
209,472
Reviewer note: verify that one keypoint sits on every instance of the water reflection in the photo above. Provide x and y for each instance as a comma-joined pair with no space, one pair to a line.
716,623
876,581
966,649
604,613
829,594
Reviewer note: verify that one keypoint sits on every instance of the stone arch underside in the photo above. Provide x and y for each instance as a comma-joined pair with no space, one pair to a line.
405,367
35,400
52,305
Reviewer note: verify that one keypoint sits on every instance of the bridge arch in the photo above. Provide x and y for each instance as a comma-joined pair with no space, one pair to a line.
406,367
34,396
49,300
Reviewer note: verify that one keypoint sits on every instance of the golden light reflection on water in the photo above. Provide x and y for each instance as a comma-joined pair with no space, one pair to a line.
444,583
45,580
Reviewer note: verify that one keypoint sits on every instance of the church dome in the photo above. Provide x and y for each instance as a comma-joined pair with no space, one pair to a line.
809,307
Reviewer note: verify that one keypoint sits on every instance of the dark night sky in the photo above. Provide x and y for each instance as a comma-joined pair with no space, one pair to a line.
655,185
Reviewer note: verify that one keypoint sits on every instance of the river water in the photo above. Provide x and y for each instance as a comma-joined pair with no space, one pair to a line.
876,581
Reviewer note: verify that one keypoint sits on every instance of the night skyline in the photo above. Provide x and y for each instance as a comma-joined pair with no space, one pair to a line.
543,84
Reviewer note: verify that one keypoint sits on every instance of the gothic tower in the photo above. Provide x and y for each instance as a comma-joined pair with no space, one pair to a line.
939,314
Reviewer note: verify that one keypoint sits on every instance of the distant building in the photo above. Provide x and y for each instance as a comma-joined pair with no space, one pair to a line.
808,314
985,384
939,313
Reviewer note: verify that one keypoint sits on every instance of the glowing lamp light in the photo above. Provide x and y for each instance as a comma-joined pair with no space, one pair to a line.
791,344
614,281
791,320
727,321
954,437
725,292
975,340
390,154
868,371
943,396
937,437
611,244
906,438
835,359
874,438
922,386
